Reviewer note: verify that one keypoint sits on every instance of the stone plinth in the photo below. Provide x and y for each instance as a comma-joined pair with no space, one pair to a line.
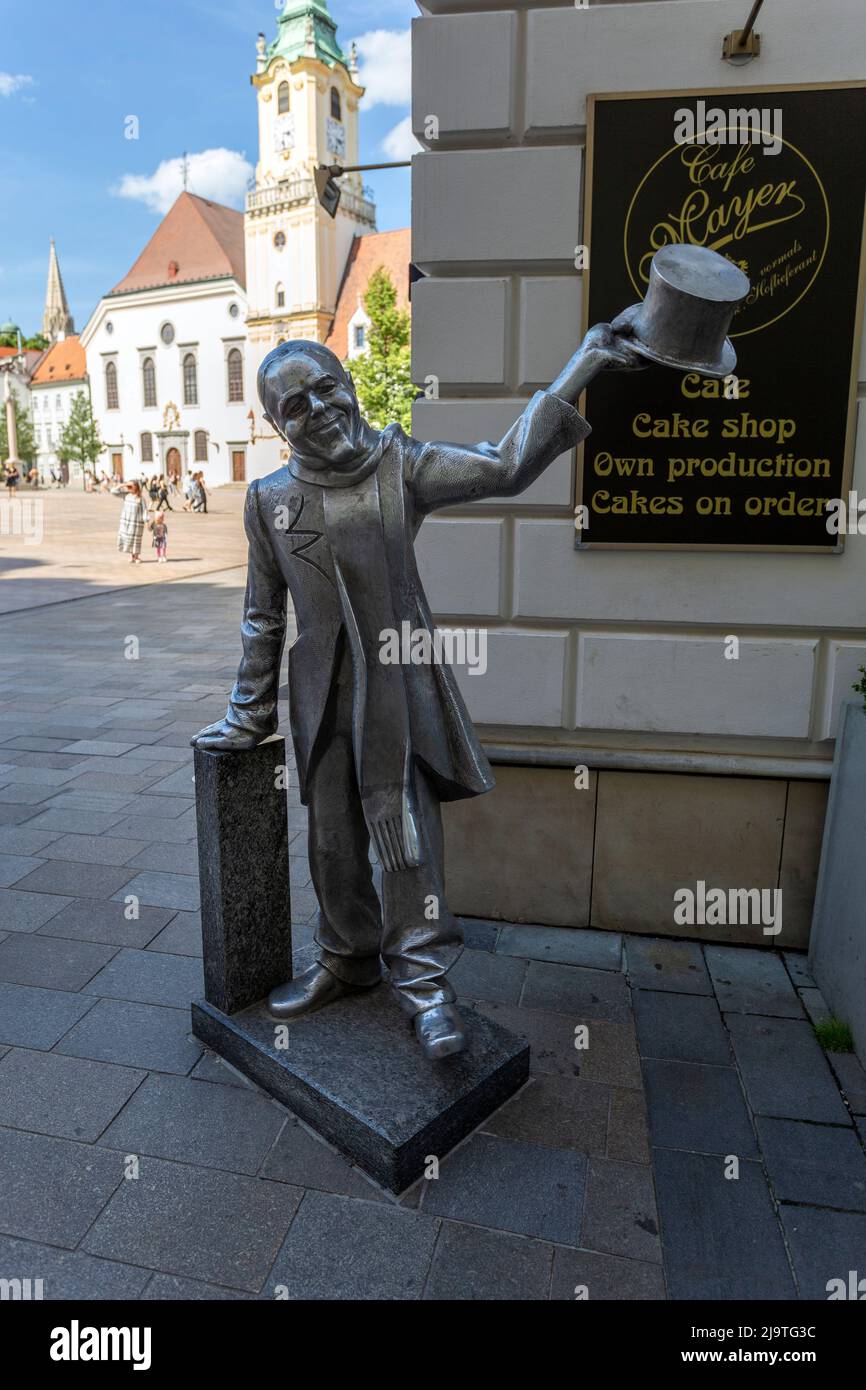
354,1072
243,857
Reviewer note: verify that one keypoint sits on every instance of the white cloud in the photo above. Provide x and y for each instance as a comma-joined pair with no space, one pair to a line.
385,67
222,175
400,143
10,83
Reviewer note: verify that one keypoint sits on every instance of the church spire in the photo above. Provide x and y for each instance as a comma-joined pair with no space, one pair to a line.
56,320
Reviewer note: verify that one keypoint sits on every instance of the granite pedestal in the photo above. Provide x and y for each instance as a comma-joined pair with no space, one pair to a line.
353,1071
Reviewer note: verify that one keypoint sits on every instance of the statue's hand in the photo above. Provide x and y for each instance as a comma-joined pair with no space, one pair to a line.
609,342
223,737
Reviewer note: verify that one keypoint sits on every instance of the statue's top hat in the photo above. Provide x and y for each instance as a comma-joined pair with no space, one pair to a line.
690,301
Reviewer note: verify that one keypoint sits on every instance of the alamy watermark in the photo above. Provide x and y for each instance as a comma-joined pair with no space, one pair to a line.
719,907
738,125
418,646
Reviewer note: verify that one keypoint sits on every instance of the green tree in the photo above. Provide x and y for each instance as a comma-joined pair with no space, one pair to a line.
79,440
24,430
382,374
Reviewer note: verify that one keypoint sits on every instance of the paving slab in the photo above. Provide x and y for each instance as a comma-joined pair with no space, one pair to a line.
619,1215
568,989
148,1036
302,1158
657,962
149,977
92,849
77,880
38,1018
596,950
14,867
473,1265
752,982
628,1126
478,934
26,912
567,1112
826,1248
698,1107
74,820
198,1223
814,1165
680,1027
174,859
17,839
512,1186
68,1275
164,1288
784,1071
851,1077
107,922
327,1253
483,975
182,936
797,963
52,1190
610,1058
720,1236
580,1275
62,1096
196,1122
33,959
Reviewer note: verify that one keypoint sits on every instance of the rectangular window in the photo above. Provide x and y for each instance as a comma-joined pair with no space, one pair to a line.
235,368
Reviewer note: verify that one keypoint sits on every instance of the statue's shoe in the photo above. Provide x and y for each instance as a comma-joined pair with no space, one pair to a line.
440,1031
311,990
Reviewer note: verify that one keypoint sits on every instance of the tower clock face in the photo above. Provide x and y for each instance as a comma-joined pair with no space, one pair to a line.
336,137
284,132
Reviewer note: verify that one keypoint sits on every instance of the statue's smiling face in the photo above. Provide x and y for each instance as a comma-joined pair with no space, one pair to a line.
311,402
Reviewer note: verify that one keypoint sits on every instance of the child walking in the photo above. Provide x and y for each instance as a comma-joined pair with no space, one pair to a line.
160,537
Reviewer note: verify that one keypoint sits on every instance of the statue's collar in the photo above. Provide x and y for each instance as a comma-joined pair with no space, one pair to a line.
363,466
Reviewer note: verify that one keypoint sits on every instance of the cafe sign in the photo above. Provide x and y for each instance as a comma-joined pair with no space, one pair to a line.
774,179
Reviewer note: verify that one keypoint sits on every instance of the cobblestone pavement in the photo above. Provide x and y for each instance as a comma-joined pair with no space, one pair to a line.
699,1147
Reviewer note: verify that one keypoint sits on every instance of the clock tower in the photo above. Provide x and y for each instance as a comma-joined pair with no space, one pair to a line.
308,97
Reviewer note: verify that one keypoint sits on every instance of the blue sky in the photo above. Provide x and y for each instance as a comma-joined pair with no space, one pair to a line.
71,71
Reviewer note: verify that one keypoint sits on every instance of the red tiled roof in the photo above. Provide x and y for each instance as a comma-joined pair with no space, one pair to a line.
196,240
391,250
64,361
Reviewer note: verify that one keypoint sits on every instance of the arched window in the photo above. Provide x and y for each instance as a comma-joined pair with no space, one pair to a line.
336,109
235,364
200,446
112,400
148,381
283,97
190,380
280,297
147,447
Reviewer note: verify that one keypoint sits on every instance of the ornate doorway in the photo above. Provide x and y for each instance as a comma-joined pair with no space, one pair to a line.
239,466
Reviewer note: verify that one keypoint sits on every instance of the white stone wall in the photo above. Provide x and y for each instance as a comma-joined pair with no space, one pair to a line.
599,648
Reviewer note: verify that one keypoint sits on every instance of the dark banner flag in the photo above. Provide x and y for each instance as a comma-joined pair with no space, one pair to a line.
774,179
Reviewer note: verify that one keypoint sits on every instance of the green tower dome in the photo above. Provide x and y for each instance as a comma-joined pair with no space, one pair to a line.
300,20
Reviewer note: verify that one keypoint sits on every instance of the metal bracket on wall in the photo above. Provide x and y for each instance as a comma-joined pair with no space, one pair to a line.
742,45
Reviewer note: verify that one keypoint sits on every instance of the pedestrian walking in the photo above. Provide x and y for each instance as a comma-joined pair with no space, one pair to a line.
133,517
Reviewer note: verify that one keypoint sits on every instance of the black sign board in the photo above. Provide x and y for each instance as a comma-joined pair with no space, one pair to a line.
682,461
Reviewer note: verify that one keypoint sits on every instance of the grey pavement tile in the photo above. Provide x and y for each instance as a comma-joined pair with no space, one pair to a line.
182,936
149,1036
168,1288
116,782
750,981
619,1216
680,1027
88,747
814,1165
597,950
16,813
304,905
628,1126
851,1077
797,963
482,975
210,1067
479,934
827,1249
89,801
511,1186
16,866
75,820
69,1274
815,1005
568,989
698,1107
610,1055
658,962
53,762
166,807
720,1235
470,1264
38,1018
784,1071
342,1249
196,1122
17,839
299,873
156,889
51,963
92,849
174,859
93,919
40,776
149,977
176,783
584,1275
32,743
19,793
53,1189
304,1159
77,880
563,1112
67,1097
197,1223
162,829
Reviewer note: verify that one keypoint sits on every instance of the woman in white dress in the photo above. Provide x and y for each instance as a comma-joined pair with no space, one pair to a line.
132,523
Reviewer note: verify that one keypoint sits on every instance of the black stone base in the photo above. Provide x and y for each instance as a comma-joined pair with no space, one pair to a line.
354,1072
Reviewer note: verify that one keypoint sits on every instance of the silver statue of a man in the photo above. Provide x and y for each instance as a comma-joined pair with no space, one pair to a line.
378,745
